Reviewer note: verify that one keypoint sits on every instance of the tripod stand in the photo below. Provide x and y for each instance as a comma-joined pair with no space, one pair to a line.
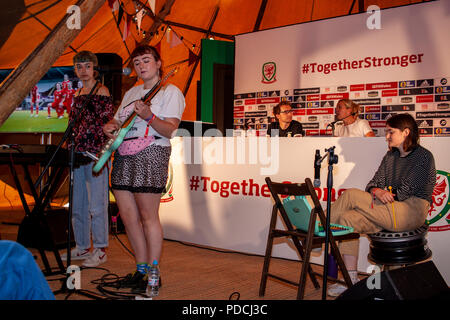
332,159
69,134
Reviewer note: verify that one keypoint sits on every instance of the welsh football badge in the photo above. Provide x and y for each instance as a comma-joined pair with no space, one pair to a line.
269,71
167,194
437,219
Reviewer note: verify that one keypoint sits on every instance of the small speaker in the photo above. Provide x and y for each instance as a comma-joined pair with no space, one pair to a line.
195,128
419,281
110,69
45,231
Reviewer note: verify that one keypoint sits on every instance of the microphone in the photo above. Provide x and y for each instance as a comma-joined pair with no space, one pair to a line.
317,166
334,122
106,69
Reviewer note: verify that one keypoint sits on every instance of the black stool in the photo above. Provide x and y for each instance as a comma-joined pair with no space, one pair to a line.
390,248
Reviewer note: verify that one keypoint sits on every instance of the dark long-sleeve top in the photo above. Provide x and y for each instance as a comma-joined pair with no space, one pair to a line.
294,128
88,131
411,176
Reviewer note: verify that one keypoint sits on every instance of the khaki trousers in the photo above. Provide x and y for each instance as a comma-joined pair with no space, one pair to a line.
354,209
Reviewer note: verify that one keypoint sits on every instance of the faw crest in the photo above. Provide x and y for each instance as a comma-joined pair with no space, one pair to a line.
438,216
167,194
269,70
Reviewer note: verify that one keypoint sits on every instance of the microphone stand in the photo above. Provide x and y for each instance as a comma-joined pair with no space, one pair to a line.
332,159
332,127
331,124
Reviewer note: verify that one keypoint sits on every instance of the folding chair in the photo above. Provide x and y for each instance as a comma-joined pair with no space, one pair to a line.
303,241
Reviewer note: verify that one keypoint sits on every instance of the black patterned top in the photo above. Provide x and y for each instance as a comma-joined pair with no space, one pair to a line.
411,176
88,131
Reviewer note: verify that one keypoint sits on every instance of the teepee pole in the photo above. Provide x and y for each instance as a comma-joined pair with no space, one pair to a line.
21,80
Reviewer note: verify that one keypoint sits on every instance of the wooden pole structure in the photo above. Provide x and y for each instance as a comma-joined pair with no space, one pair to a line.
262,9
157,20
22,79
192,72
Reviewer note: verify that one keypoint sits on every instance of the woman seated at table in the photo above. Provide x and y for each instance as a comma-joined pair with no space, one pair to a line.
349,124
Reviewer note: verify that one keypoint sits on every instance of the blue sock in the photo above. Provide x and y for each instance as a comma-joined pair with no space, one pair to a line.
142,267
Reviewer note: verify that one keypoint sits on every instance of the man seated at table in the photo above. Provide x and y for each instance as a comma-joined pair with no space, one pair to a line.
285,125
349,124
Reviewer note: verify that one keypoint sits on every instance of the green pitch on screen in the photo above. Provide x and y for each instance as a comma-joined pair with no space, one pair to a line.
21,121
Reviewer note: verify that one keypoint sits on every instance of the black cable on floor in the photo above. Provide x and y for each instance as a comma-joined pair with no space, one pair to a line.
113,281
123,245
237,294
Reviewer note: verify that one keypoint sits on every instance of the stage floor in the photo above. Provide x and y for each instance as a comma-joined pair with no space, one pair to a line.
189,272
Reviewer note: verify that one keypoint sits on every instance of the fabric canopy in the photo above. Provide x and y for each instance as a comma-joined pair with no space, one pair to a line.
25,24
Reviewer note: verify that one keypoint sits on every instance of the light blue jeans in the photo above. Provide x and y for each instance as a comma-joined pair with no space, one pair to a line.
90,207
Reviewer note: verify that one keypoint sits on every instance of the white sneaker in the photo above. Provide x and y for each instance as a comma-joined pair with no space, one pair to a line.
76,254
317,250
97,257
336,290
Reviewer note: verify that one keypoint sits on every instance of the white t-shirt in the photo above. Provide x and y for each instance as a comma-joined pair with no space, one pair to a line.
359,128
167,103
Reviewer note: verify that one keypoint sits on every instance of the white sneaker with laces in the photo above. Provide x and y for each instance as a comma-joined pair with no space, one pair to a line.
336,290
97,257
76,254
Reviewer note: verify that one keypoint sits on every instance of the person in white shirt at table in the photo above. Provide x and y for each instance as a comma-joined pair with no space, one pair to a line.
349,125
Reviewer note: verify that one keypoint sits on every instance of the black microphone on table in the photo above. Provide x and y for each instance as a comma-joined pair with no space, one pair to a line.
334,122
317,167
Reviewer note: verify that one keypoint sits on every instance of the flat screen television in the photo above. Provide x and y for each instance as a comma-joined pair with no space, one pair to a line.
45,109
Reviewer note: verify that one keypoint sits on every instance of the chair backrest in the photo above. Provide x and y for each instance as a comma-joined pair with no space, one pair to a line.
278,189
292,189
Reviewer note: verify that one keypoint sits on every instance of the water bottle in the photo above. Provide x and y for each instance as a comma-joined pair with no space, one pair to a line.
114,224
332,266
153,280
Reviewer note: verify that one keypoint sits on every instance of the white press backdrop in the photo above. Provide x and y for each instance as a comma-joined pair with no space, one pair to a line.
231,216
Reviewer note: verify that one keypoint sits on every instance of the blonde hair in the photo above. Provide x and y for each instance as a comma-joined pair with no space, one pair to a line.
349,104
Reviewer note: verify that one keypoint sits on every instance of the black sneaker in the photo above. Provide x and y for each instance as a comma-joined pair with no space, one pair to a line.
141,287
135,281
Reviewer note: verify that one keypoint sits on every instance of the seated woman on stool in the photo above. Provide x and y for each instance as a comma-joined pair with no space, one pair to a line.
396,199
